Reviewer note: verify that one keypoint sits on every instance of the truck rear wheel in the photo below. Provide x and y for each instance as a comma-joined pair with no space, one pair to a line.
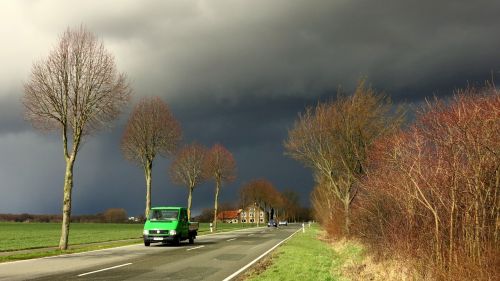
191,240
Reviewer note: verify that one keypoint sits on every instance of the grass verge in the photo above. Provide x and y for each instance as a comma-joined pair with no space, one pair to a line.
304,257
14,256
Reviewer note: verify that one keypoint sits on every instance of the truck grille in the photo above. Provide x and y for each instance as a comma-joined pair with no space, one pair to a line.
158,231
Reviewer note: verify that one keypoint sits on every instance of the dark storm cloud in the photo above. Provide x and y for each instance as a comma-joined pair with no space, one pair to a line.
11,115
244,122
293,48
235,72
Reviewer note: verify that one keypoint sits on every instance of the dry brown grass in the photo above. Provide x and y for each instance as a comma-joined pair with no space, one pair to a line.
370,268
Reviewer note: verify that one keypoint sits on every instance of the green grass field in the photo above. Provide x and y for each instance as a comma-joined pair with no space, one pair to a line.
303,257
21,236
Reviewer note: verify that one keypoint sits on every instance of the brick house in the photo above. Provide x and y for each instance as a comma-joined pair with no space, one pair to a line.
229,216
251,213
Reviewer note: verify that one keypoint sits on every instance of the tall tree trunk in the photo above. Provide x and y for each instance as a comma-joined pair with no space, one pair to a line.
258,208
437,239
217,188
147,172
190,196
68,187
452,217
347,219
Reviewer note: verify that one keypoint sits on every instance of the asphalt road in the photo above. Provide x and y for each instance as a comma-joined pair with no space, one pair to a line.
211,257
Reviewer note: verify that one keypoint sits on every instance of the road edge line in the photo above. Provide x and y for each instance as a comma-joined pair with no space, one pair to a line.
259,257
194,248
104,269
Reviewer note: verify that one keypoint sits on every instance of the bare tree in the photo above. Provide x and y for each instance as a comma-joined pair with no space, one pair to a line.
151,130
261,193
187,169
76,90
333,139
115,215
291,204
221,167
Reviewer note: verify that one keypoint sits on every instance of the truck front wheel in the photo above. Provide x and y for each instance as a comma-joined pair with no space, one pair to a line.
177,241
146,243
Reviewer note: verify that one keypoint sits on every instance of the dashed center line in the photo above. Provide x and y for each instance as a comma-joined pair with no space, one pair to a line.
195,248
231,239
104,269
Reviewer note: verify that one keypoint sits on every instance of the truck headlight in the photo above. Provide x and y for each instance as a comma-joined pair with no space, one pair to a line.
172,232
145,232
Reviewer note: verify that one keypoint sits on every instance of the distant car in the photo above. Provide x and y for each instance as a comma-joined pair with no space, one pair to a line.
272,223
285,223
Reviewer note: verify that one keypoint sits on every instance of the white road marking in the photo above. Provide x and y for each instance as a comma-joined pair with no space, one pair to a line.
231,239
258,258
104,269
195,248
251,234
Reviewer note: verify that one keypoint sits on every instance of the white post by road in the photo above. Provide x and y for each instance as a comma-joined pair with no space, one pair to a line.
211,227
303,228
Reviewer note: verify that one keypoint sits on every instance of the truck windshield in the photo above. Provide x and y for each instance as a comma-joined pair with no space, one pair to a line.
163,215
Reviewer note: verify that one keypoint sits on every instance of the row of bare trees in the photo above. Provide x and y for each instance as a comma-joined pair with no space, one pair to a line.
430,191
194,164
152,130
77,90
264,195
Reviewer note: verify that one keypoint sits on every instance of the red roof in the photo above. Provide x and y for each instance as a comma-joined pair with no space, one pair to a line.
227,215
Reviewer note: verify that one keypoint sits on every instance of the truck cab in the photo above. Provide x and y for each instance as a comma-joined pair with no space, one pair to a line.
169,225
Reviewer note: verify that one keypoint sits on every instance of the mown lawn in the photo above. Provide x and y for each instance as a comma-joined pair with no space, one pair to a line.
304,257
20,236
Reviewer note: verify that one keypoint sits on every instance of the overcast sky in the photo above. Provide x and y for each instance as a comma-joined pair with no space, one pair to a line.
234,72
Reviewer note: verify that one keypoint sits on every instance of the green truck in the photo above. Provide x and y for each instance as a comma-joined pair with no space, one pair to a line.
169,225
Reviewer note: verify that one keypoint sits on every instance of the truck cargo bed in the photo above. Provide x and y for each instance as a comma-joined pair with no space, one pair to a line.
193,226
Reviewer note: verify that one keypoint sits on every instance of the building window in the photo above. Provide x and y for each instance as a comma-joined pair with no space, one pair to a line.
261,220
261,214
243,220
251,214
251,220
